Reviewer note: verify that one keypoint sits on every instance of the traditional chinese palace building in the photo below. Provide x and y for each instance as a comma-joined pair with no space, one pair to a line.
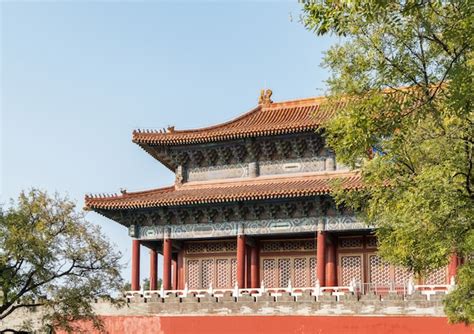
251,205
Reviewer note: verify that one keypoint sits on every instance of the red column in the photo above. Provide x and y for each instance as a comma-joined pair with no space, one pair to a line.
167,264
241,261
247,266
180,263
331,277
135,265
321,257
254,267
453,266
174,267
153,269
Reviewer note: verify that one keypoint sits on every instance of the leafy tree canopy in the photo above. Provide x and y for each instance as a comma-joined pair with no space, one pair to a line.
402,76
51,258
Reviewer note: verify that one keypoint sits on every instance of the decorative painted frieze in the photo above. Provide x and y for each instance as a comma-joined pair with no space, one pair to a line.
289,166
261,168
233,171
258,227
283,147
287,210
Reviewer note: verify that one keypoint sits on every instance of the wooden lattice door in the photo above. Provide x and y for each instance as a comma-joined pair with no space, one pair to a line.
279,271
351,267
220,272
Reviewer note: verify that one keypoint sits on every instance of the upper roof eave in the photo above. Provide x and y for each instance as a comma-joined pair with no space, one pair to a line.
266,119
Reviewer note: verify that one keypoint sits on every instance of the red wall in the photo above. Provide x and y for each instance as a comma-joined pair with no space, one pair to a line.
279,324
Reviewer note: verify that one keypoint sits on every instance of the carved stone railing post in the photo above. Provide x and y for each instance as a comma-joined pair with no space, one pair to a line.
186,290
317,288
410,287
235,293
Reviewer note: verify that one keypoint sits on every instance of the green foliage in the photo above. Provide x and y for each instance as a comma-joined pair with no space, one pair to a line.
50,257
459,304
402,77
145,285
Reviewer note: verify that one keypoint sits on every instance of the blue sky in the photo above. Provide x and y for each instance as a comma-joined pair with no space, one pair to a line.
78,77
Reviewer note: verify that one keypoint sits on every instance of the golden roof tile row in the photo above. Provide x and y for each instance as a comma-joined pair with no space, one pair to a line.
221,192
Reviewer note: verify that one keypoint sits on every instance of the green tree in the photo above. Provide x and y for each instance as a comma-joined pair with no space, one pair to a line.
146,284
51,258
402,82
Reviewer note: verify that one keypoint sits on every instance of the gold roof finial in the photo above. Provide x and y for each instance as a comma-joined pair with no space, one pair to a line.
265,97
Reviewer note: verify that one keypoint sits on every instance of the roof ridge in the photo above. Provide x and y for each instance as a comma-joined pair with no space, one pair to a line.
301,101
259,108
125,194
211,127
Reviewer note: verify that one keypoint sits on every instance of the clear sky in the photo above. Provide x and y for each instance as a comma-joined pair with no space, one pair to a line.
78,77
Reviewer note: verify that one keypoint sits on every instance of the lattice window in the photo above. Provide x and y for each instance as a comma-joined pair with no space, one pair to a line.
271,246
379,270
301,272
312,270
437,277
372,242
291,246
207,273
223,268
351,267
211,247
193,274
269,273
231,246
402,275
309,245
284,271
288,246
350,242
196,247
215,247
233,266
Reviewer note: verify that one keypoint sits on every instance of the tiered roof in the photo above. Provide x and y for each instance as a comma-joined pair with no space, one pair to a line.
267,119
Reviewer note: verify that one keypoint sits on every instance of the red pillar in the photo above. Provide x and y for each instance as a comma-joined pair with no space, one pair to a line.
247,266
254,267
174,267
180,263
321,257
153,269
453,266
331,277
135,265
167,264
241,261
